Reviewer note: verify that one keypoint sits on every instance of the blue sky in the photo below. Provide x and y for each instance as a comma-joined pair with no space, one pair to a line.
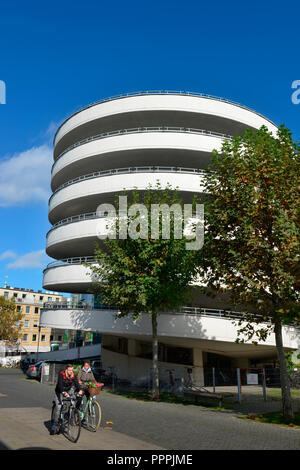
58,56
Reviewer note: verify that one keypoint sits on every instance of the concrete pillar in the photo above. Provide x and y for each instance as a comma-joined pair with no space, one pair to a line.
132,347
198,371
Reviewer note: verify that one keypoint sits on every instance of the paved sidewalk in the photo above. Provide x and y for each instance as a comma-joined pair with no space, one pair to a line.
27,428
25,408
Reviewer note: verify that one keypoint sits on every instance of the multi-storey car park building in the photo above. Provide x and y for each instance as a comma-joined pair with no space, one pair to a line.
132,141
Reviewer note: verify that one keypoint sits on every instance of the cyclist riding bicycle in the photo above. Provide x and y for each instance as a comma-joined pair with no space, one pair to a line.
66,382
85,375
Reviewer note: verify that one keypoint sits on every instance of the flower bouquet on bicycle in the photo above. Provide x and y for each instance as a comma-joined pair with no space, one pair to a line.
94,388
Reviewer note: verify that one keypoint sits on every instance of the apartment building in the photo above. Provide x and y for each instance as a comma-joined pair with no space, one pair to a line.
33,337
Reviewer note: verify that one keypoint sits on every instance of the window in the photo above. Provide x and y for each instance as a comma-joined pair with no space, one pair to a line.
36,310
59,338
33,338
26,324
23,296
49,299
15,295
51,337
35,323
123,345
25,337
19,308
41,297
43,338
6,295
57,299
27,309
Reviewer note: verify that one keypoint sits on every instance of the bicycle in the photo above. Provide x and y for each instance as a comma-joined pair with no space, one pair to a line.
69,422
188,383
90,413
168,387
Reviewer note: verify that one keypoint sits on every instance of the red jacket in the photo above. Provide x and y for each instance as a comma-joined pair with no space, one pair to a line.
64,383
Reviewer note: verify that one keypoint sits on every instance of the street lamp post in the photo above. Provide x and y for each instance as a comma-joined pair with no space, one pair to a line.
38,346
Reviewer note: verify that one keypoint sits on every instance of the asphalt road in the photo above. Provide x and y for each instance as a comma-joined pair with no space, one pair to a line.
25,407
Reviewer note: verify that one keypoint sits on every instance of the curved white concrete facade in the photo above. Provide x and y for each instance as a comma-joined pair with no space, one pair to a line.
189,327
59,238
131,142
125,143
221,115
69,277
84,196
136,149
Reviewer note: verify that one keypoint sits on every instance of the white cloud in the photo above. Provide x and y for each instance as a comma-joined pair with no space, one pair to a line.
7,254
25,177
34,259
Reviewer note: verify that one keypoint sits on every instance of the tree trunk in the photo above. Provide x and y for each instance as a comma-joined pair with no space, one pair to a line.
287,408
155,379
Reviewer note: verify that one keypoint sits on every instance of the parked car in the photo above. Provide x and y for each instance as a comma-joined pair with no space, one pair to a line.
34,371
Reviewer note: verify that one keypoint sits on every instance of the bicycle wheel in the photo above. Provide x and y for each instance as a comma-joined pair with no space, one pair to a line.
93,416
73,425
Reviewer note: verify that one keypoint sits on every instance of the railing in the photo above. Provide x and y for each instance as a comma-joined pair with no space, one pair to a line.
134,169
79,218
68,261
135,130
162,92
184,310
82,305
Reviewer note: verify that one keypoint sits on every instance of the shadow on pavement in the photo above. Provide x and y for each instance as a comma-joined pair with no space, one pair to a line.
34,448
3,446
47,424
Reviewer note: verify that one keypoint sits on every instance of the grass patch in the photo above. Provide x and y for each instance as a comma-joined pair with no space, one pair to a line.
276,418
168,398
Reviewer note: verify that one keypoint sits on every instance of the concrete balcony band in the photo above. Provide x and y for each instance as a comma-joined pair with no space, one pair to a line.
138,130
122,171
157,108
184,310
75,218
77,235
87,194
68,275
159,92
136,147
210,332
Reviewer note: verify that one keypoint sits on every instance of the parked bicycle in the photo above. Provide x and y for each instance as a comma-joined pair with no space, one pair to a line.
69,423
168,387
189,384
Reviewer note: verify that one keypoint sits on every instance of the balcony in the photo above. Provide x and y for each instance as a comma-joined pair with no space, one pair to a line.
207,329
158,108
85,193
137,147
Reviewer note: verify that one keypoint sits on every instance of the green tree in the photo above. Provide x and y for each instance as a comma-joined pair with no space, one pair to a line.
251,245
9,320
145,275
